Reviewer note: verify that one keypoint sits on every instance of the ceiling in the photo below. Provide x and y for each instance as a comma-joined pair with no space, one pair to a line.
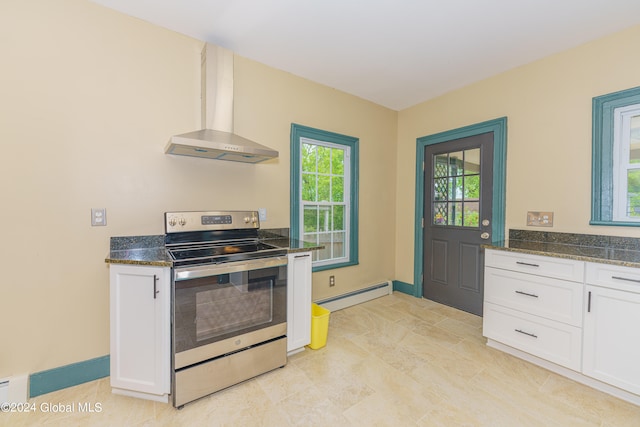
396,53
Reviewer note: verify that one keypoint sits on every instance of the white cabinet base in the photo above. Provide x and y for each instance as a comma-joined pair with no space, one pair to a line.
163,398
298,302
573,375
140,334
296,351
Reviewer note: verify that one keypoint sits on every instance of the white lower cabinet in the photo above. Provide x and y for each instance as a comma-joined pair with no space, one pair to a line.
140,331
534,304
298,301
579,319
612,327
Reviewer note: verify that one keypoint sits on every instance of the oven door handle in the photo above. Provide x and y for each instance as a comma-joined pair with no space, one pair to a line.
185,273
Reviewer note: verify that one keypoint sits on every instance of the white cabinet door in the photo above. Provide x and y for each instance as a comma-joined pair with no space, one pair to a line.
299,301
140,328
612,337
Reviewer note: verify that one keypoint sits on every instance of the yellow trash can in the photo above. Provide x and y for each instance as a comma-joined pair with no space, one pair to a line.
319,326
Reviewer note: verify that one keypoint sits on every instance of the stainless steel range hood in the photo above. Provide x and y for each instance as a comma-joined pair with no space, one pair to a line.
217,140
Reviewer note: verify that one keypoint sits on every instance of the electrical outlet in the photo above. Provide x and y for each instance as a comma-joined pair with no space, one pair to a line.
540,219
262,214
332,281
98,216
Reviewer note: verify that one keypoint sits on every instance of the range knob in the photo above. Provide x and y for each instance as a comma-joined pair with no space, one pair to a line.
172,222
247,220
182,221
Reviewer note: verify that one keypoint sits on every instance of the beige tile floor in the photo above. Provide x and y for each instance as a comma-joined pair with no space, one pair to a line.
393,361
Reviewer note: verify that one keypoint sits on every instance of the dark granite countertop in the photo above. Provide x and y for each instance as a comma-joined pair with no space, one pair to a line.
279,237
624,251
150,250
139,250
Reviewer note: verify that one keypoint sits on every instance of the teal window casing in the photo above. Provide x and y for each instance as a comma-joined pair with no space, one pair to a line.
300,133
602,167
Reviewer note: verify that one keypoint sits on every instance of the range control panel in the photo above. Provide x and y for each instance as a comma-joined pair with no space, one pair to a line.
216,219
179,222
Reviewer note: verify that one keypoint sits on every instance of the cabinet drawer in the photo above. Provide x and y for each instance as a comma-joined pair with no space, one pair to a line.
553,299
554,341
559,268
613,276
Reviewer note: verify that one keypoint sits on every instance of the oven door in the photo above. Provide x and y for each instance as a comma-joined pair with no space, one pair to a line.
223,308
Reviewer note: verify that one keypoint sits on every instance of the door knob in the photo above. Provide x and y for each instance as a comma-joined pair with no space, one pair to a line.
485,222
484,236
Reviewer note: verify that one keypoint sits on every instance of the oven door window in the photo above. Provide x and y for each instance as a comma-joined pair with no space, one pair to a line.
216,307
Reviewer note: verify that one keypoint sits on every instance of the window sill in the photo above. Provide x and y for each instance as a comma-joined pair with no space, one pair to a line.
334,266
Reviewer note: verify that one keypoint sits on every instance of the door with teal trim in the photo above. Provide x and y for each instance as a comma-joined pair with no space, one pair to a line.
458,199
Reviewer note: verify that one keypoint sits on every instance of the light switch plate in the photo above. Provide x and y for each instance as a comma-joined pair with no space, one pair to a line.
262,214
98,216
540,219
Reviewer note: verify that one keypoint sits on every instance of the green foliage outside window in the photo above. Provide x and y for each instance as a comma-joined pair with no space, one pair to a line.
323,182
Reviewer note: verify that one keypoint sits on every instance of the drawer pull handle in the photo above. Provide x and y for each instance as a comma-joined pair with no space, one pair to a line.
526,333
155,286
624,278
524,293
526,263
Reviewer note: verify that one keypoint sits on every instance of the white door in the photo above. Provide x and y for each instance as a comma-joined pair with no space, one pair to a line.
612,337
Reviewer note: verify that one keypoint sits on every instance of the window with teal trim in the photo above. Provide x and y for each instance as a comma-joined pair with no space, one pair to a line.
616,159
324,196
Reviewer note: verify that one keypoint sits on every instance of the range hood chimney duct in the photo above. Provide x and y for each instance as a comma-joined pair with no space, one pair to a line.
216,140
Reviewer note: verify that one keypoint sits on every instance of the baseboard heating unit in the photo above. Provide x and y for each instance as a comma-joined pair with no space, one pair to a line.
357,297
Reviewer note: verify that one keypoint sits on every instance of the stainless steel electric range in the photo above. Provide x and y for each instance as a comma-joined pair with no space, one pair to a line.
229,301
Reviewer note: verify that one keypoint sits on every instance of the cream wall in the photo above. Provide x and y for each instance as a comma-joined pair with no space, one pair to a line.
88,99
548,108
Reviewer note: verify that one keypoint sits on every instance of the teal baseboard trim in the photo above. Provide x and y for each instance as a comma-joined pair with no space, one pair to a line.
405,288
67,376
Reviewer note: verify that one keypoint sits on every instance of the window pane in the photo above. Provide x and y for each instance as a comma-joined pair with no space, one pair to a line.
325,240
472,187
324,188
455,213
337,161
324,159
338,217
338,245
324,218
440,189
310,219
440,165
309,187
472,161
456,188
310,237
634,140
633,193
308,158
456,163
471,214
337,189
440,214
